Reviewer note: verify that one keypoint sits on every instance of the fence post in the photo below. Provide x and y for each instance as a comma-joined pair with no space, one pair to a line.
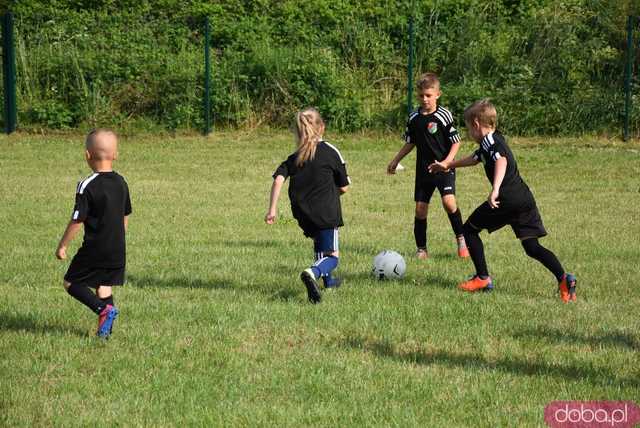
9,74
410,65
627,77
207,77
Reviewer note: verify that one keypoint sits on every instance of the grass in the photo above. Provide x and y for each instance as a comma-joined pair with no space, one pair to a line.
215,328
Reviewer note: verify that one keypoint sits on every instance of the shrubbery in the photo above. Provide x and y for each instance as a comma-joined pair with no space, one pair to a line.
552,67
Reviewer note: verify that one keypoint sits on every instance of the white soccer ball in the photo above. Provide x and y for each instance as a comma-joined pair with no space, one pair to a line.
388,265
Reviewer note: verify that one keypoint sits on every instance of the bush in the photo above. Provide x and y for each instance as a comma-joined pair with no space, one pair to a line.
551,67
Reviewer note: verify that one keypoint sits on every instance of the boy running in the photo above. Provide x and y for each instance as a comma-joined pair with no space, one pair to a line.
509,203
430,129
102,205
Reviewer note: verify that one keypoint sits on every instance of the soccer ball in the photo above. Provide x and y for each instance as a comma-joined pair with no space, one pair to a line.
388,265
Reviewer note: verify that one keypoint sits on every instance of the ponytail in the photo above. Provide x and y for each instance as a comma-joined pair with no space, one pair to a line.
309,128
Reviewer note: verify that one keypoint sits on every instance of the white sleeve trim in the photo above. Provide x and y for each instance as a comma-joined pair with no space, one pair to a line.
337,151
83,185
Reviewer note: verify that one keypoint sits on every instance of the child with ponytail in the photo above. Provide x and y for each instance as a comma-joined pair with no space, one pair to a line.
318,177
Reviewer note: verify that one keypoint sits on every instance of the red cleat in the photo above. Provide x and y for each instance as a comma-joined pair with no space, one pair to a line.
567,288
477,284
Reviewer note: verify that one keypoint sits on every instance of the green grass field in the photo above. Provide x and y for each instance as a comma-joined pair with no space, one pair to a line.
215,328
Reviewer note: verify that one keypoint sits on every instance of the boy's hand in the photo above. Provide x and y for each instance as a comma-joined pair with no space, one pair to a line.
493,199
437,167
391,168
61,253
270,218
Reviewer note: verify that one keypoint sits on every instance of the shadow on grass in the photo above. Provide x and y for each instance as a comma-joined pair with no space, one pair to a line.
431,280
26,323
142,281
427,357
615,339
257,243
275,293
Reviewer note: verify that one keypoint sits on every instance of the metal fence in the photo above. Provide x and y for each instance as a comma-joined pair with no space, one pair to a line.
198,33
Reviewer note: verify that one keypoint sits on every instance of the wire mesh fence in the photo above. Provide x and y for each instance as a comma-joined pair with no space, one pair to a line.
148,71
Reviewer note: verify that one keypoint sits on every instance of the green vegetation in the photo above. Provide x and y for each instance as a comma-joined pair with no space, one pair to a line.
551,67
215,328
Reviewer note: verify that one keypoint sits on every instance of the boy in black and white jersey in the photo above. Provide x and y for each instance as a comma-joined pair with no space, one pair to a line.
102,205
430,129
318,177
509,203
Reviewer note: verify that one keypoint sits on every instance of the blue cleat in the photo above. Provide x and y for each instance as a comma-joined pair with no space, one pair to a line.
106,320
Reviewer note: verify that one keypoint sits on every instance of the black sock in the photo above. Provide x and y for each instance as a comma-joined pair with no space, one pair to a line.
85,296
476,250
420,232
533,249
456,222
107,300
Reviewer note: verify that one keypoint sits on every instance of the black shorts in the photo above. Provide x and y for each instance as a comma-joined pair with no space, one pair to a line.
445,182
92,276
525,221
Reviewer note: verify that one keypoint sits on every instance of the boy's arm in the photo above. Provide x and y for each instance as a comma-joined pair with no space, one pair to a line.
70,232
126,222
270,217
460,163
452,154
498,176
391,168
343,189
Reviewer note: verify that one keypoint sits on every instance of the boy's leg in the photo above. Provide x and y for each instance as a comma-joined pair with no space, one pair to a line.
528,227
481,280
105,293
455,218
483,217
85,296
549,260
420,229
424,189
109,314
476,249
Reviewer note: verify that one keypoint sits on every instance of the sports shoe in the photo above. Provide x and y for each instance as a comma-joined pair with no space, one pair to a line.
309,280
332,283
422,254
567,288
476,284
105,321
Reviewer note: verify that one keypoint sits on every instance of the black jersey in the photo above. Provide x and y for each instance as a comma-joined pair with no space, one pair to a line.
314,188
514,192
102,201
433,135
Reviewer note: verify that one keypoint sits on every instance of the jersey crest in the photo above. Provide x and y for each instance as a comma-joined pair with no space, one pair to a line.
432,127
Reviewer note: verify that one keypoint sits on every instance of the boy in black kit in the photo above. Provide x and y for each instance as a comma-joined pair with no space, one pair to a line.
102,205
430,129
509,203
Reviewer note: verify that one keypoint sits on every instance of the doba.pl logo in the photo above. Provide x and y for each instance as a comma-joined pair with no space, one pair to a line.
592,414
